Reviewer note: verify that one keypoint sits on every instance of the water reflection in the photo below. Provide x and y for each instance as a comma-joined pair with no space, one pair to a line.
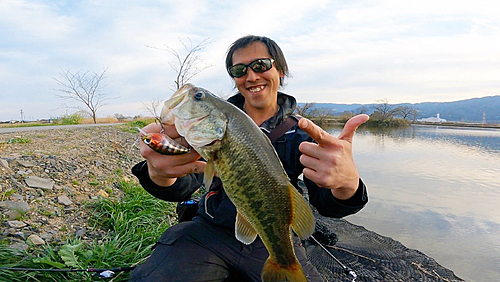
435,189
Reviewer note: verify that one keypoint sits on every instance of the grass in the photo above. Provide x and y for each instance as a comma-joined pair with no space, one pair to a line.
132,126
133,224
18,140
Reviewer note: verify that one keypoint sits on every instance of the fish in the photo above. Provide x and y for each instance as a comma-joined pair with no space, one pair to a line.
162,143
254,179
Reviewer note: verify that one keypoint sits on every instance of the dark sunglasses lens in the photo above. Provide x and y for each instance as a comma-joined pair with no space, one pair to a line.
238,70
261,65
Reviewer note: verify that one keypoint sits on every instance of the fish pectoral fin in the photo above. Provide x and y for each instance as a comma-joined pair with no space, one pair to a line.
302,218
208,175
245,232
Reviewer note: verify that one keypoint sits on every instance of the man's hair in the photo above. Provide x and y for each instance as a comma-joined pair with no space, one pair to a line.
273,49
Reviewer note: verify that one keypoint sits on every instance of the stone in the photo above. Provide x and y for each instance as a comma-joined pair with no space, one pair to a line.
82,198
63,199
20,235
19,206
102,193
35,240
16,197
13,215
4,163
26,164
15,224
80,232
38,182
19,246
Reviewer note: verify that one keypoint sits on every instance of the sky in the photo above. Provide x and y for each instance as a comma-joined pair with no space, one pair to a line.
337,51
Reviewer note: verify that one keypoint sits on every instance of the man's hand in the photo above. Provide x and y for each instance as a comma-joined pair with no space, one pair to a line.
164,169
329,163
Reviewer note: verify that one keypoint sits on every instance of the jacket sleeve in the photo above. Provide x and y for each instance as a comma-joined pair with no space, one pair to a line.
327,205
181,190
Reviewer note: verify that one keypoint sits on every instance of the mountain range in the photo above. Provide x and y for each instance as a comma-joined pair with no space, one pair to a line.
475,110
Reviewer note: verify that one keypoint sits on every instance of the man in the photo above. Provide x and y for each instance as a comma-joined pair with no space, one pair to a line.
205,248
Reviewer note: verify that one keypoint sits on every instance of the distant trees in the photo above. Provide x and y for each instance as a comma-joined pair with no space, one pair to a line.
406,112
385,113
187,63
84,88
305,109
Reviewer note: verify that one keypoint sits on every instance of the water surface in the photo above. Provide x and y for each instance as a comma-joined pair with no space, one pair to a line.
435,189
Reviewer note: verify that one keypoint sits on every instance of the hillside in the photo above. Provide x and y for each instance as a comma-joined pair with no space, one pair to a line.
470,110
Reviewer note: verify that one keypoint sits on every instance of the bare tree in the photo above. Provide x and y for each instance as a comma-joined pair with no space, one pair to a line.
384,109
405,111
83,88
305,109
187,64
361,110
153,107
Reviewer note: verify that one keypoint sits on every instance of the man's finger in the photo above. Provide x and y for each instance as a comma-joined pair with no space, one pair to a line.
316,132
351,125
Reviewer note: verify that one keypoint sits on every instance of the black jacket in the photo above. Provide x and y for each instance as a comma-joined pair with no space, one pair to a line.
216,207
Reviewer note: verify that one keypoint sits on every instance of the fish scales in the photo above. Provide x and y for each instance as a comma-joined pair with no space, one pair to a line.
250,186
251,172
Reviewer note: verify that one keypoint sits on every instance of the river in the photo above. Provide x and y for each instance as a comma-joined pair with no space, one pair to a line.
435,189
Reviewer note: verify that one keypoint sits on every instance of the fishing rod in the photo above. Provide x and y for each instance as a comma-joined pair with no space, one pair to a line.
103,272
346,269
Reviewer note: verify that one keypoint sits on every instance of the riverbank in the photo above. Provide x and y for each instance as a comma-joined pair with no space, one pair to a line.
70,191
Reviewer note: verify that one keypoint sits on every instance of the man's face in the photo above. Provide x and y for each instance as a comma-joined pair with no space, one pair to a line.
259,89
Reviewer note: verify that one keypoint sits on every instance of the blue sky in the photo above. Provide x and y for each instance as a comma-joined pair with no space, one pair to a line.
337,51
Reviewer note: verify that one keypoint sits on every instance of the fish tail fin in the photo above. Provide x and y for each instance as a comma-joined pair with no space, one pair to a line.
272,271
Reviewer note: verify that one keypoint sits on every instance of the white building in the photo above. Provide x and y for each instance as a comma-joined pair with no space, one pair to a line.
432,119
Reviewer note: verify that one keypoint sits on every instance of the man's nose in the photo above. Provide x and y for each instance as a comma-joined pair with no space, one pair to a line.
251,75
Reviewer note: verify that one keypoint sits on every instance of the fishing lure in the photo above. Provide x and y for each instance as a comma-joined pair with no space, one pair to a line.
162,144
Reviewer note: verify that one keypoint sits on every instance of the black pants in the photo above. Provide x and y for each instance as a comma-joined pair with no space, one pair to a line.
199,251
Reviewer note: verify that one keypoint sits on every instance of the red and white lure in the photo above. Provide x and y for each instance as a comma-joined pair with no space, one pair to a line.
162,144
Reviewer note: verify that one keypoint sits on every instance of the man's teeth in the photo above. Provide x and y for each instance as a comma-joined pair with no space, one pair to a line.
256,89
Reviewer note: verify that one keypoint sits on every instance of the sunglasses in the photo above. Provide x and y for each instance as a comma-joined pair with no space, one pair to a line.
258,66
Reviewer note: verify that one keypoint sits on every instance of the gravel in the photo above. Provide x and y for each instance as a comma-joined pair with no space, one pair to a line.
47,177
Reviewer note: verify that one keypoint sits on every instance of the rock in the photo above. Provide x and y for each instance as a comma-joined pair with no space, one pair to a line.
38,182
15,224
13,215
16,197
82,198
26,164
20,206
20,235
80,232
102,193
4,163
63,199
19,246
35,240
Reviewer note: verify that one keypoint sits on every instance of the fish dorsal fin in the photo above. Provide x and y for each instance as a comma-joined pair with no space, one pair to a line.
209,173
245,232
303,218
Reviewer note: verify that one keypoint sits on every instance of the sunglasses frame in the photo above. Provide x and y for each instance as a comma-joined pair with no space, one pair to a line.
264,61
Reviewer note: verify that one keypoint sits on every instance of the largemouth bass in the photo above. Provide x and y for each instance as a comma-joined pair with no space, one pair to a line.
252,175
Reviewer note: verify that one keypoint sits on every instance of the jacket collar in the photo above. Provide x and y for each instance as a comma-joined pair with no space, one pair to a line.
286,106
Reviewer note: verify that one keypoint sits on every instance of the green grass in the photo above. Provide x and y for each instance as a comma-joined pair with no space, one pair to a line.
132,126
18,140
133,224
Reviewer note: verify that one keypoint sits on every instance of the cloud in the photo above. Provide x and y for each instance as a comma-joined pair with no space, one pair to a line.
338,51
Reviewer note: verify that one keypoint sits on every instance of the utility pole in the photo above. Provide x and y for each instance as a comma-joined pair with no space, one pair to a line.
22,116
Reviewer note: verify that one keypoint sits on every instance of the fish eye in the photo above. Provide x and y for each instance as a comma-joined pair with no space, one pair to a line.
199,95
